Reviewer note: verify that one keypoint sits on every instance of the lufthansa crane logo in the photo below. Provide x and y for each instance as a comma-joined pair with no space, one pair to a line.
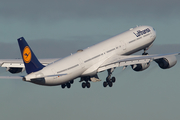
27,54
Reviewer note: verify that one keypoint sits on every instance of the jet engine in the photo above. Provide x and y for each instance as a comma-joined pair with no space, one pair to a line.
166,62
15,70
140,67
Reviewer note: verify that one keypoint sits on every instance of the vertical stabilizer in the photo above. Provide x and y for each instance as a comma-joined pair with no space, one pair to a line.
31,63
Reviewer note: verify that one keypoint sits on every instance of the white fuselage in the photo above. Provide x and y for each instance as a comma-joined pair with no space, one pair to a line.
87,61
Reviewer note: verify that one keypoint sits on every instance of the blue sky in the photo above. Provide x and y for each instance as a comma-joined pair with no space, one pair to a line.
58,28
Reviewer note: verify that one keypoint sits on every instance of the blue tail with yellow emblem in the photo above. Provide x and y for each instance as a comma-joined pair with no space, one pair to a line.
31,63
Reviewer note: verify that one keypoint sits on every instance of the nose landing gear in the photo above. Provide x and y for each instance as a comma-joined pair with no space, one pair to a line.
145,49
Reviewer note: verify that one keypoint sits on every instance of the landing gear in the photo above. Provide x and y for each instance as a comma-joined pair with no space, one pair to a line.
145,49
86,83
68,84
63,86
72,81
144,53
83,85
113,79
110,84
105,84
109,81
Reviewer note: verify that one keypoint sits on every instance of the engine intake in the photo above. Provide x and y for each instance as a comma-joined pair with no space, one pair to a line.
166,62
15,70
140,67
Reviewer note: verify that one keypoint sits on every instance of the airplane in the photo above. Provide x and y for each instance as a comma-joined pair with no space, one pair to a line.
87,63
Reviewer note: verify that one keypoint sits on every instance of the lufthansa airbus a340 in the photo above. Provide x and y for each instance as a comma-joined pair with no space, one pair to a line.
87,63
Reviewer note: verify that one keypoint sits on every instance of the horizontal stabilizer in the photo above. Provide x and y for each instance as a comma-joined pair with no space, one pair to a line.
11,77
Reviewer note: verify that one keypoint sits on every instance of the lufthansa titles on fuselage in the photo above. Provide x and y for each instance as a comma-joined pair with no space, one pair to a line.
142,32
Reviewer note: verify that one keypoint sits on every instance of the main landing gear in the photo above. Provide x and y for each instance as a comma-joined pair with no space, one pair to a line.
109,81
68,84
86,83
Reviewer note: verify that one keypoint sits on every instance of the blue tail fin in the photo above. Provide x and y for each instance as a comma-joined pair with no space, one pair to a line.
31,63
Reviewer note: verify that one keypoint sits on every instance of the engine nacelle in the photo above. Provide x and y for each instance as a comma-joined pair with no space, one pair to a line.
15,70
140,67
166,62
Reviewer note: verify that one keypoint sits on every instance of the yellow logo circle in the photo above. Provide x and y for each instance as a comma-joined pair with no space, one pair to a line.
27,54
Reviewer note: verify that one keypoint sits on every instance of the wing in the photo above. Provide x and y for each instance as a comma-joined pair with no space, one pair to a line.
123,60
17,65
